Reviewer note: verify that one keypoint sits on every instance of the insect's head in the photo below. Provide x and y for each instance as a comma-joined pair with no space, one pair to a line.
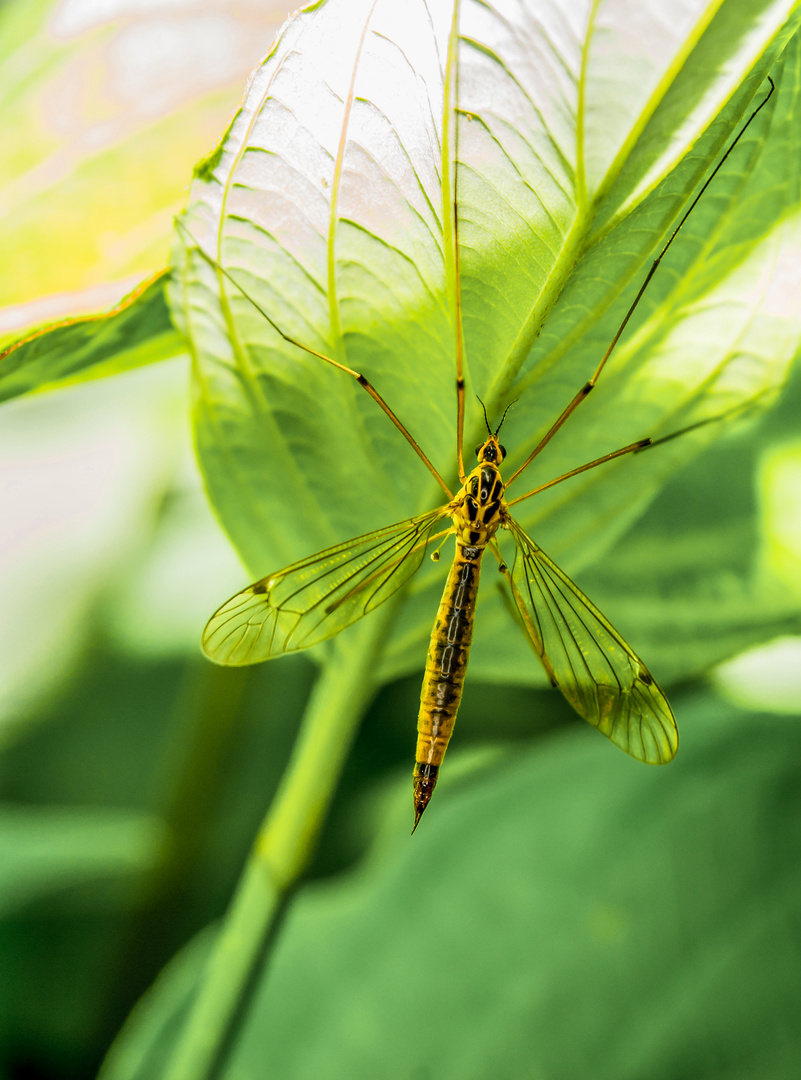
492,450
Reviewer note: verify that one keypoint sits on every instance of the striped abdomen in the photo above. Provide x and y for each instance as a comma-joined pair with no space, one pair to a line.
446,665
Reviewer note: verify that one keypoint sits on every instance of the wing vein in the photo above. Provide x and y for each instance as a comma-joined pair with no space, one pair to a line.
315,598
596,670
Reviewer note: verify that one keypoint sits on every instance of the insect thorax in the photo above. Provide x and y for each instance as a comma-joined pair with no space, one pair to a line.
478,508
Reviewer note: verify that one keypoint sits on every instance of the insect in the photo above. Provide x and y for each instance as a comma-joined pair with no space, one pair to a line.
583,655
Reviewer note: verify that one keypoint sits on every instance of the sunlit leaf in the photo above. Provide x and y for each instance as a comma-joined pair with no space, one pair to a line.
325,207
137,331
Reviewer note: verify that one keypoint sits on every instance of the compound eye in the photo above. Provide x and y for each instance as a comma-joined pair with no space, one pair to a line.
502,450
478,448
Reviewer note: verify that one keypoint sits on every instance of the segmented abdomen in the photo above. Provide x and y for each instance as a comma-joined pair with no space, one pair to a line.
446,665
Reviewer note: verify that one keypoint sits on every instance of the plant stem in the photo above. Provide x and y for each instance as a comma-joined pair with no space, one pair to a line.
281,851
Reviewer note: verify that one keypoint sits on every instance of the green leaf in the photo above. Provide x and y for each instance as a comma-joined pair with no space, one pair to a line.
144,1043
135,332
326,209
566,913
45,850
709,569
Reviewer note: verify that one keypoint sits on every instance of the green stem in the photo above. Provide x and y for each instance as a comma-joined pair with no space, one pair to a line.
281,851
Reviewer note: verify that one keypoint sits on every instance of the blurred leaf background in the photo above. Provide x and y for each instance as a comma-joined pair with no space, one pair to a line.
574,913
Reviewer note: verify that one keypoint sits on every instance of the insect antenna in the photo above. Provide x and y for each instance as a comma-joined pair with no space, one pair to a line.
486,418
505,411
589,386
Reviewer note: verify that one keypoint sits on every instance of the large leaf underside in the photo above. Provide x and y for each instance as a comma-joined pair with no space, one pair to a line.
569,137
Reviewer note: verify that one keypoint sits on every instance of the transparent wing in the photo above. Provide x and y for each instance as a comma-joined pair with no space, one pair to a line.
588,660
317,597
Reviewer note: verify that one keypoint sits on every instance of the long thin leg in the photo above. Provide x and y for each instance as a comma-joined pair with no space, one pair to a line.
459,358
450,218
636,448
360,379
589,386
632,448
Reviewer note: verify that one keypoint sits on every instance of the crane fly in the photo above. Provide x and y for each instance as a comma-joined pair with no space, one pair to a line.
583,655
